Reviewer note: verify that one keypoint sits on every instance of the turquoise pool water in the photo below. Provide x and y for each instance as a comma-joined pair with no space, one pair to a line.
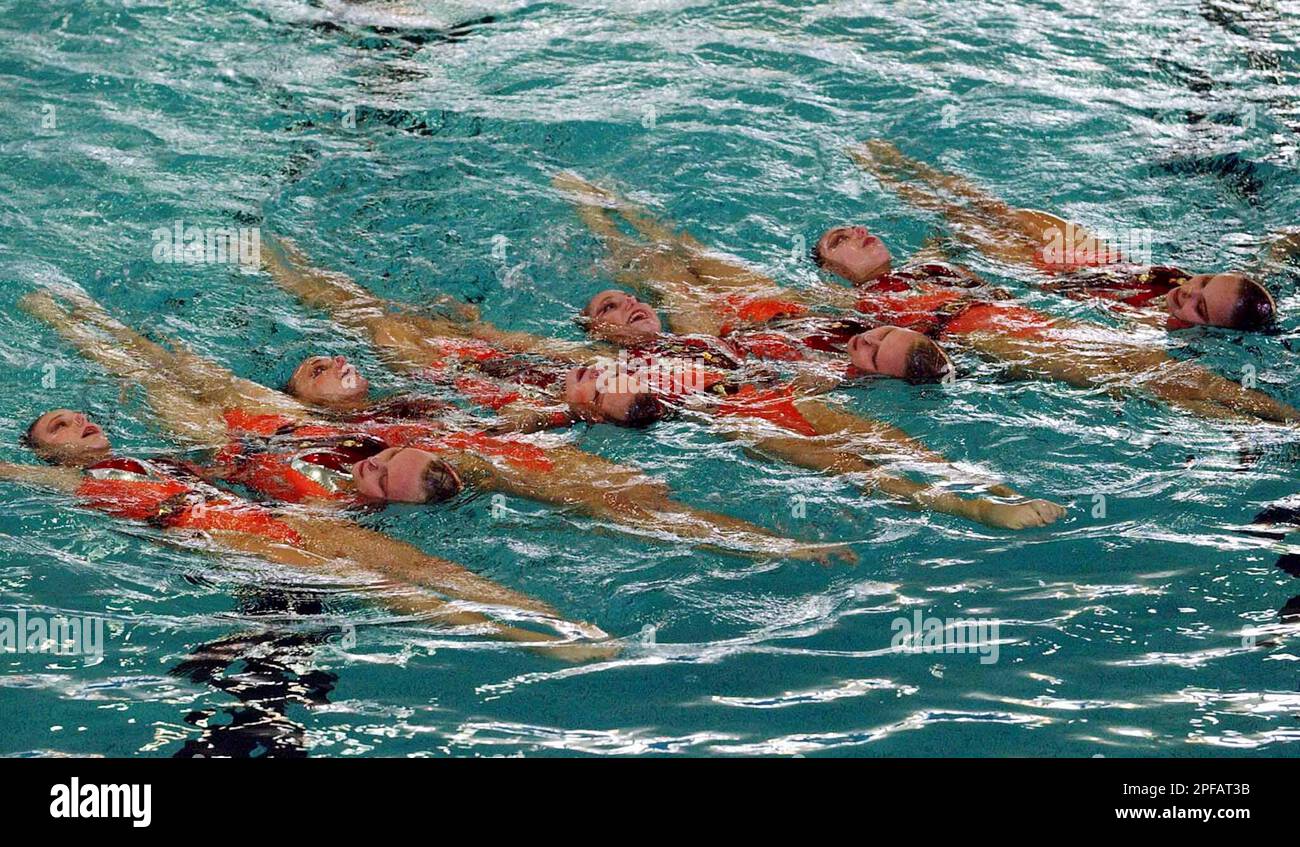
402,148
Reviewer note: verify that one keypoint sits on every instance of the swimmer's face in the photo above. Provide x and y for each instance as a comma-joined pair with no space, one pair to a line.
328,381
587,402
405,475
896,352
68,437
622,313
1209,299
853,253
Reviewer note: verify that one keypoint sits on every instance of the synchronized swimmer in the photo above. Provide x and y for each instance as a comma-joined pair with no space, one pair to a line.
761,358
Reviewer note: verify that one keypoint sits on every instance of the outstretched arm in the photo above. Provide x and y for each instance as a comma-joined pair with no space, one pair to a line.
978,219
181,412
674,267
43,476
410,342
208,381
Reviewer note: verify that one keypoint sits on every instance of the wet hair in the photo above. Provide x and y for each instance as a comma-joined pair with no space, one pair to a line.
926,363
1255,310
28,438
440,482
644,410
815,253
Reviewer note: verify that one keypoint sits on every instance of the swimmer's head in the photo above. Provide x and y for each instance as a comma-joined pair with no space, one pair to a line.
899,353
65,437
620,316
405,475
1230,300
853,253
328,381
587,402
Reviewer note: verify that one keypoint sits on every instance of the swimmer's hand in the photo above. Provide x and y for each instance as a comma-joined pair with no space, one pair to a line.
1026,515
877,154
40,304
570,183
825,555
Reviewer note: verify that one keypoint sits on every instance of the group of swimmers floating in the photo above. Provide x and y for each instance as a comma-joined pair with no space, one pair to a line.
762,355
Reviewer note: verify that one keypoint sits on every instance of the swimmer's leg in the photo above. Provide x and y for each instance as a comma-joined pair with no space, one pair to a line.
1191,386
811,454
627,497
348,549
875,437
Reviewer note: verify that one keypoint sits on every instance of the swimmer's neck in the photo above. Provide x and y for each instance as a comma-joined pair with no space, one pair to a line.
346,407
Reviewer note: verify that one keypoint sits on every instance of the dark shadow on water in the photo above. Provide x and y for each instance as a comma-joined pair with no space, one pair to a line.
258,669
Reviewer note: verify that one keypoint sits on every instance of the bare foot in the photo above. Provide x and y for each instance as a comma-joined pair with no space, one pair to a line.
578,652
1032,513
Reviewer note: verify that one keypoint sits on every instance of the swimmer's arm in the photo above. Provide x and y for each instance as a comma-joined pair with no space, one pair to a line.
525,342
42,476
208,383
402,337
523,418
587,195
663,269
179,410
978,219
329,291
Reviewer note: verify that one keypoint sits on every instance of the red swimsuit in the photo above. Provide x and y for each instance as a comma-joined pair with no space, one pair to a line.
1124,285
166,494
490,377
293,462
712,358
929,300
